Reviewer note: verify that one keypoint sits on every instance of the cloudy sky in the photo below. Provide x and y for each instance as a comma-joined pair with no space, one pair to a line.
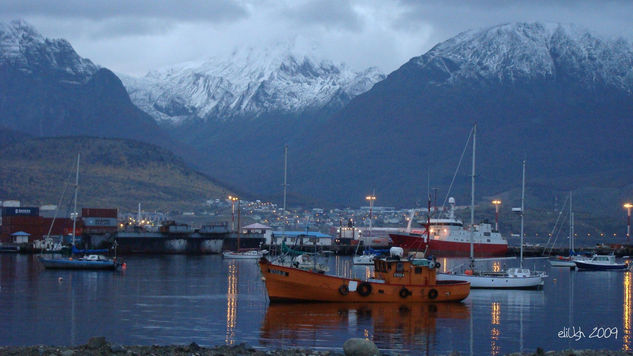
134,36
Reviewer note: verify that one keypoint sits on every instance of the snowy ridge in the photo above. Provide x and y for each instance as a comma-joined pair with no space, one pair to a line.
533,50
246,84
22,46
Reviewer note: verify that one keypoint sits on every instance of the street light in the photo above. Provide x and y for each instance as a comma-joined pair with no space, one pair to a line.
371,199
233,200
628,207
496,203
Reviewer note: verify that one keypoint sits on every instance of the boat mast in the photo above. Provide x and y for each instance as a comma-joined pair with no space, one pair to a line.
74,214
472,201
571,227
285,173
522,207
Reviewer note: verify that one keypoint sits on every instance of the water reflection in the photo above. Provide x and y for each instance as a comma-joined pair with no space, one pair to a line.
231,303
626,315
389,325
495,314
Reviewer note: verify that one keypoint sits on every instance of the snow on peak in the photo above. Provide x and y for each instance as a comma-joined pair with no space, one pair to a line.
21,45
248,82
533,50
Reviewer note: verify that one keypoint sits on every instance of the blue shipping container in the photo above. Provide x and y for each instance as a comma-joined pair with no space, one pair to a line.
13,211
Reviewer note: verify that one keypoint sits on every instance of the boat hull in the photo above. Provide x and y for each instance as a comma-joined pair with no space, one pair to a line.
494,282
586,265
291,284
442,248
76,264
562,263
242,255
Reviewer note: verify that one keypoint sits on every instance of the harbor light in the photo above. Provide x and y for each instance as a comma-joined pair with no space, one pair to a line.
233,199
496,203
628,207
371,199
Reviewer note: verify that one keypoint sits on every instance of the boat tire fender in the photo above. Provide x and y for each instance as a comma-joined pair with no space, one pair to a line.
433,294
343,289
404,292
364,289
437,265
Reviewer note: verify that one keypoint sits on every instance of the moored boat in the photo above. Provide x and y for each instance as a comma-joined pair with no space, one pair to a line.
447,237
601,263
396,279
250,254
89,262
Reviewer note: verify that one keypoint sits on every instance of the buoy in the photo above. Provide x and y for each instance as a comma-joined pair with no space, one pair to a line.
124,266
468,272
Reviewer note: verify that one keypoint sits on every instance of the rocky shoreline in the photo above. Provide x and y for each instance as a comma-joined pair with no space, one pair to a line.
352,347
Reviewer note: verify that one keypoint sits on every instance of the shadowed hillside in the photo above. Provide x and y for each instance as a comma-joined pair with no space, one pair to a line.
112,173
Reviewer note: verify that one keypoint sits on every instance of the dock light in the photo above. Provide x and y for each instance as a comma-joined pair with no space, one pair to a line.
496,203
233,199
371,199
628,207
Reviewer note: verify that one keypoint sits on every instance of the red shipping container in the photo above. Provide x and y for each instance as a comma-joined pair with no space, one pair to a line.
99,213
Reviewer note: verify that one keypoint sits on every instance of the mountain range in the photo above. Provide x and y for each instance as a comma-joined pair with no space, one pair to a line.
556,95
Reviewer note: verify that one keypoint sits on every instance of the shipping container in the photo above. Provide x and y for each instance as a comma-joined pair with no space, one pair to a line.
19,211
100,221
21,220
11,203
99,213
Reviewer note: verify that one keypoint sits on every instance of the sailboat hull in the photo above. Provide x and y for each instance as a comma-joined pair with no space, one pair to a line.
78,264
491,281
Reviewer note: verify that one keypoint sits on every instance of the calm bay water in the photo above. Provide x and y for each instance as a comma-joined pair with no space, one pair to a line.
211,301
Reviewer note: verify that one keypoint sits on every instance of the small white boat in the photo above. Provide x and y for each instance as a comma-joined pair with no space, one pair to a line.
304,262
563,262
601,263
251,254
367,259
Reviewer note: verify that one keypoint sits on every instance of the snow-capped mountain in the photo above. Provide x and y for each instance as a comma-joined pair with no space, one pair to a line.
511,52
21,46
47,89
557,95
246,84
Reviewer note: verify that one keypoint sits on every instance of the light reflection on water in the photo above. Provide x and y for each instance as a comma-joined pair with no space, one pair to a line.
210,301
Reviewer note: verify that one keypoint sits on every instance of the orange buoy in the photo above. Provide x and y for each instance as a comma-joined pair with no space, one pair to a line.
468,272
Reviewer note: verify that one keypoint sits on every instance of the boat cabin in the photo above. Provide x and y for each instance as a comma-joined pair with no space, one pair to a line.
606,259
398,270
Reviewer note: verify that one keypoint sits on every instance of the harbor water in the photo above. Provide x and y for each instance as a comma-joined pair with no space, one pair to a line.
205,299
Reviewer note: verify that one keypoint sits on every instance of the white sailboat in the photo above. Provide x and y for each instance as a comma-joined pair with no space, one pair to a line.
512,278
567,261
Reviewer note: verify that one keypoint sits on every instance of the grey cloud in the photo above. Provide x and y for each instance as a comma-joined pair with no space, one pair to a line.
184,10
325,13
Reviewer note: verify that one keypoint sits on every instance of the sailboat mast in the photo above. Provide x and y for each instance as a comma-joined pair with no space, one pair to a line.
522,207
285,173
74,214
472,198
571,226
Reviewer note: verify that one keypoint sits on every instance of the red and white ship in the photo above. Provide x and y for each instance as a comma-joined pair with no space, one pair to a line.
448,237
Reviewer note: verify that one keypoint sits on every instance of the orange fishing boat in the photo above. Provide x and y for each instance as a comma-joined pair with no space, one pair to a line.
396,279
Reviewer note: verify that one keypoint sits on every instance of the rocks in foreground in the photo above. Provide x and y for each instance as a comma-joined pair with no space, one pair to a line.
352,347
100,346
